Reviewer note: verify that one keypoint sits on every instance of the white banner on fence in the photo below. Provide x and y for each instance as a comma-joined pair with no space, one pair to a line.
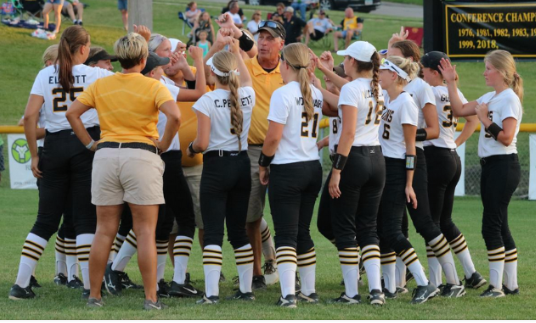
20,162
532,170
460,188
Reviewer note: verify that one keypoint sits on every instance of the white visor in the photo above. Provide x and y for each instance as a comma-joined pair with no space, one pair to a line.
217,71
388,65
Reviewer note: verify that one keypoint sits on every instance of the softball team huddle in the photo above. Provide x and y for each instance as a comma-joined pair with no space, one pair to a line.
392,142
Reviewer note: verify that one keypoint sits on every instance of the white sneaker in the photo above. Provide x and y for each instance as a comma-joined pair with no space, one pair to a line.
270,273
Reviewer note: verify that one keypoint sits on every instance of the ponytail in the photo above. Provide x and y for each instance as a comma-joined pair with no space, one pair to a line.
297,57
237,116
374,84
304,80
505,64
517,86
71,40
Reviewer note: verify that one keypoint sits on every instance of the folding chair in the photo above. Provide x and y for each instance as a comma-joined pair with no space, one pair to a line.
32,8
185,21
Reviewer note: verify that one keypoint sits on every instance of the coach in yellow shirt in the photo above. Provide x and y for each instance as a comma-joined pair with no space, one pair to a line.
127,167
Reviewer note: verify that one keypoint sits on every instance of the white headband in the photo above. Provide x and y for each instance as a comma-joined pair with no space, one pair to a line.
388,65
218,72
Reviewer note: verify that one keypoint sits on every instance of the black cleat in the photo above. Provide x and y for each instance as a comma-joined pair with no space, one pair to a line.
163,289
376,297
259,282
453,291
288,301
34,283
211,300
492,292
75,283
17,293
388,294
187,280
476,281
401,290
343,299
311,298
126,283
183,290
60,279
509,291
112,280
242,296
423,293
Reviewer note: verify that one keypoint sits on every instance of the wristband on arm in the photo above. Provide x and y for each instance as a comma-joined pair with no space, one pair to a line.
339,161
494,130
411,161
421,134
90,144
191,148
265,161
245,43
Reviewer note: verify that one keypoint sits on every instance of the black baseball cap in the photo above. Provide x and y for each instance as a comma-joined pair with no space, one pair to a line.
275,28
153,61
99,54
433,59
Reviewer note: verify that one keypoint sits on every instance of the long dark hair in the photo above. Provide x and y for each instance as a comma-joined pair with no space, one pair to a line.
71,40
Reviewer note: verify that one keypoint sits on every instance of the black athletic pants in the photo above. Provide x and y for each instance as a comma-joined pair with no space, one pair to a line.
500,177
354,214
393,205
323,221
292,192
224,197
178,198
444,171
421,216
66,165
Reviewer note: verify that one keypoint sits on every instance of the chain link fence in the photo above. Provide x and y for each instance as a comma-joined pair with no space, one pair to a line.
472,164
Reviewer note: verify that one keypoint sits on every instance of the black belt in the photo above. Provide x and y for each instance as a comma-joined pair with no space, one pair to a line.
255,145
494,158
133,145
224,153
439,148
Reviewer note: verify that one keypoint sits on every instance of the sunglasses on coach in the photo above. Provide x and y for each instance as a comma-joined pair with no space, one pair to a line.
268,23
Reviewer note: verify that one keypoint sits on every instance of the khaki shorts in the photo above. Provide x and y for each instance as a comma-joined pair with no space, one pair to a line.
127,175
193,178
257,198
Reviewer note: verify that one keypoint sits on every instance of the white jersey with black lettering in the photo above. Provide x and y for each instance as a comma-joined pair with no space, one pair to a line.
422,94
447,121
162,119
500,107
334,133
298,143
216,106
397,112
57,101
358,94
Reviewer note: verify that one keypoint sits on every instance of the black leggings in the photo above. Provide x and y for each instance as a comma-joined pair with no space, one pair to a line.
444,171
292,192
323,221
355,212
224,197
66,165
500,177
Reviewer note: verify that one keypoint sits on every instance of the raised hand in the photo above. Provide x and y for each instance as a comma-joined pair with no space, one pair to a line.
225,20
448,70
403,35
195,52
327,60
143,31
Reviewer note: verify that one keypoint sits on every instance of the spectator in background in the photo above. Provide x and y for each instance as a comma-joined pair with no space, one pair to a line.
203,43
99,57
279,12
193,13
50,5
253,25
228,8
300,5
234,10
73,9
351,25
122,5
293,26
203,23
318,27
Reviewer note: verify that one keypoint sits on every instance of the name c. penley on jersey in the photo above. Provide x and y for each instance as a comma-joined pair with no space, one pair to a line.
77,79
226,103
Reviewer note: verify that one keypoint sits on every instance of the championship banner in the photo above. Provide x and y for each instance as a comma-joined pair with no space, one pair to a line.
532,171
20,162
460,187
472,30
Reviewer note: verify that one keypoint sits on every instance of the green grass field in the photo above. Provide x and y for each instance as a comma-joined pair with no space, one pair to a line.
18,209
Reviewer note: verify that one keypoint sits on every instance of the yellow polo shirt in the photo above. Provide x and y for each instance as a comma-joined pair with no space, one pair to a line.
264,84
127,105
350,23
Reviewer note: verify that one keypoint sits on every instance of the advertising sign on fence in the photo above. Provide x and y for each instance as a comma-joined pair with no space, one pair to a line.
20,162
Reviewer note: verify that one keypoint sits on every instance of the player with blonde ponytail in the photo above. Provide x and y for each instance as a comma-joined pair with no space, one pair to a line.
295,173
224,117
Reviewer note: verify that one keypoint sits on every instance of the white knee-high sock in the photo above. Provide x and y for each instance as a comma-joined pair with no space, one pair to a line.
307,269
400,273
441,249
181,255
388,262
161,257
61,261
126,252
83,247
434,267
460,248
371,261
412,262
71,258
244,265
268,249
212,262
349,260
496,266
118,242
31,252
510,269
286,266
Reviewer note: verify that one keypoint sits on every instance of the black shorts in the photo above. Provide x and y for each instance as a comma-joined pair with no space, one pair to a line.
317,35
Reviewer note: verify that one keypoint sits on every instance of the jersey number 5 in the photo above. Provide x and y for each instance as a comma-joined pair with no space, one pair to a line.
60,96
305,126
